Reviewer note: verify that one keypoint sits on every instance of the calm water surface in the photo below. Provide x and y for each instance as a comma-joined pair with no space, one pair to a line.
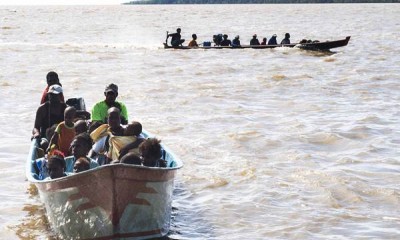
277,144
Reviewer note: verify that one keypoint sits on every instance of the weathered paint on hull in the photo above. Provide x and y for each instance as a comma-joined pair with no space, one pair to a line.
110,202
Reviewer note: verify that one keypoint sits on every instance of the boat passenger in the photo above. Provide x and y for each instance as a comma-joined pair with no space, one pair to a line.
49,113
150,149
131,158
193,43
80,148
56,167
272,40
236,42
286,40
225,41
81,164
132,129
80,126
64,133
176,38
254,40
217,39
51,78
99,111
109,138
264,41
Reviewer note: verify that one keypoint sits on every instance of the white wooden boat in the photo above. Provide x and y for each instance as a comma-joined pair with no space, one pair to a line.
115,201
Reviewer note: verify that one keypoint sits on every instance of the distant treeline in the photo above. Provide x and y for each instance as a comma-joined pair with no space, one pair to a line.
255,1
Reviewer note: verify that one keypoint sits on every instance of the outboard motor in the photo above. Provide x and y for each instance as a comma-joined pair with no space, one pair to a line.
77,103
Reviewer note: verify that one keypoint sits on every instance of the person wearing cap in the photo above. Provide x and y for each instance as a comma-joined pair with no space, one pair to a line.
49,113
286,40
236,42
99,111
175,38
51,78
272,40
254,40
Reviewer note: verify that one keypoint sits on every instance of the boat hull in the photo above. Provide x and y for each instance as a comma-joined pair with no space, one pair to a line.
115,201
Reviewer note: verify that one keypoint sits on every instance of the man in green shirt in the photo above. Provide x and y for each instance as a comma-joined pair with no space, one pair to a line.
99,111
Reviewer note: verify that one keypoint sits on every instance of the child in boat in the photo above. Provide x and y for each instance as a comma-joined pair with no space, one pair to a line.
131,158
80,147
80,127
64,133
150,149
81,164
56,167
193,43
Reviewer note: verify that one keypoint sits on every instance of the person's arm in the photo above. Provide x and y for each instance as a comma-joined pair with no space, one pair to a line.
124,114
124,150
53,140
36,127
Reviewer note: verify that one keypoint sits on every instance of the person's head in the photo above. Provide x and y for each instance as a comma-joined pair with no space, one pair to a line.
273,36
225,36
255,36
113,117
264,39
69,116
178,30
133,129
111,93
80,127
150,149
237,37
81,164
194,36
287,35
53,93
52,78
81,145
131,158
56,166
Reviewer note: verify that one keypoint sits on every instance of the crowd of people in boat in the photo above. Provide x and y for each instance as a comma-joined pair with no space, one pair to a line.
73,140
224,41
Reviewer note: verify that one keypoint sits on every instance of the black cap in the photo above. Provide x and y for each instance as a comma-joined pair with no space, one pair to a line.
111,88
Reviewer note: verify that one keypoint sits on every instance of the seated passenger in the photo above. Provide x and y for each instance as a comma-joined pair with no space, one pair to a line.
193,43
81,164
236,42
109,138
176,38
64,133
80,127
131,158
272,40
254,40
225,41
286,40
99,111
80,147
150,149
56,167
264,41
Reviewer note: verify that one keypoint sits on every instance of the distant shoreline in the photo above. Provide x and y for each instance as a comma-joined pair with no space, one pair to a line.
144,2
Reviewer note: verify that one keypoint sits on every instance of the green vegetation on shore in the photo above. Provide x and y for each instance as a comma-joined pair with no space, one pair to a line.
255,1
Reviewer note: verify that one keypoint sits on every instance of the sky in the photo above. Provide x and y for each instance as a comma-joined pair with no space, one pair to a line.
62,2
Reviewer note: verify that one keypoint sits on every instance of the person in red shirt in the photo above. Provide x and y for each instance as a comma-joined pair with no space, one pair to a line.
51,78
